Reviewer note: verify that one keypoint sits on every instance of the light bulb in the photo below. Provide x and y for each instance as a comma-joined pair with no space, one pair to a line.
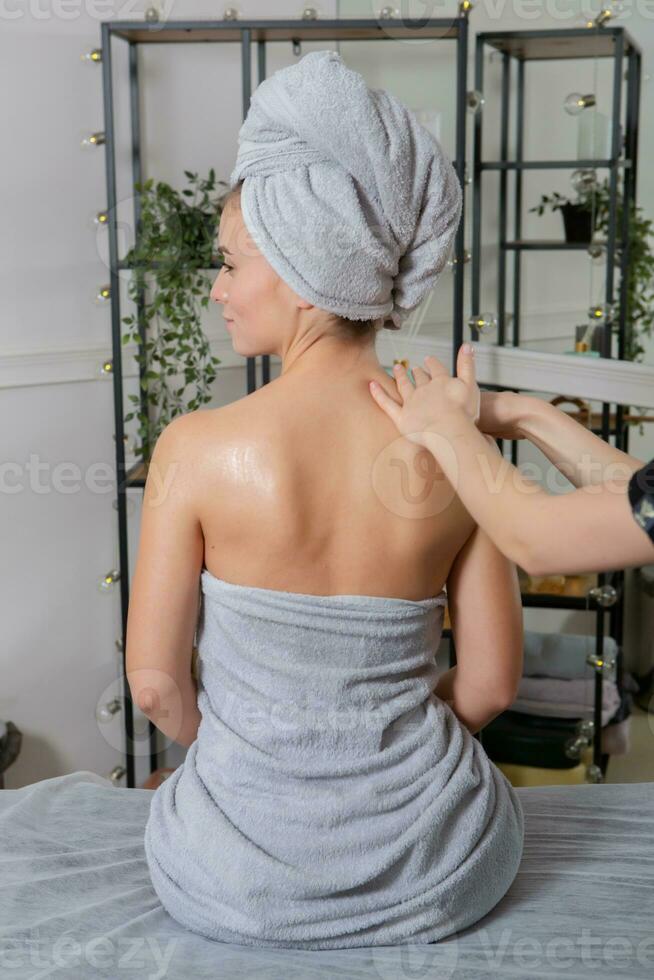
94,56
152,15
108,581
483,322
92,140
576,103
474,100
231,13
101,218
107,368
388,13
594,774
103,295
603,313
586,726
105,712
597,253
583,180
466,258
310,13
465,6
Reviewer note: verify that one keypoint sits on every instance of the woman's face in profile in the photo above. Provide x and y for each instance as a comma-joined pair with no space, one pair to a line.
258,303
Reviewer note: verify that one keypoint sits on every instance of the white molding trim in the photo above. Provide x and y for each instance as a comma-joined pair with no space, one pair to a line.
595,378
49,366
601,379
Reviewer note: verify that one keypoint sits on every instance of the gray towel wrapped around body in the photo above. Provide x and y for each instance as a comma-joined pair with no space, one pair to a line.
349,198
330,799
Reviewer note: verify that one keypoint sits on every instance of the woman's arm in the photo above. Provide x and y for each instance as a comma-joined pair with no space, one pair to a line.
485,609
165,595
591,529
583,457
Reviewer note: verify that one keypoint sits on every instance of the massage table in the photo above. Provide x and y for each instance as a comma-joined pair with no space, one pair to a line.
76,899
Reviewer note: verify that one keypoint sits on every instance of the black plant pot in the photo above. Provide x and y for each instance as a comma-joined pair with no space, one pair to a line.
578,223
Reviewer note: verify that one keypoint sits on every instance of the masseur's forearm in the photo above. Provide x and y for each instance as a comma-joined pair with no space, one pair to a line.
471,706
495,493
173,708
583,457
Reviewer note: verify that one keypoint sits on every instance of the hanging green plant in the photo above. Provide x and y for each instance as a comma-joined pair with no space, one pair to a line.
174,248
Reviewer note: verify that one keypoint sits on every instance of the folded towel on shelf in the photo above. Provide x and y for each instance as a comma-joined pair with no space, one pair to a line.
349,198
561,655
560,698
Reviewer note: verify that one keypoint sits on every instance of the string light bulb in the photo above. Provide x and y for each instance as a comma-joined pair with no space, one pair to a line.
93,139
607,13
231,13
483,322
101,218
310,13
594,774
108,581
94,56
453,261
474,101
597,253
105,712
583,180
602,314
152,15
107,367
465,7
103,295
575,103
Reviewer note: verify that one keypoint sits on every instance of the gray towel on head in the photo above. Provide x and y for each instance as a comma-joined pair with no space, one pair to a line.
349,198
330,799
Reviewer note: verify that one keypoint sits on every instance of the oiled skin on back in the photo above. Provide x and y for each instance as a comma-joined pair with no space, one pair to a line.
307,486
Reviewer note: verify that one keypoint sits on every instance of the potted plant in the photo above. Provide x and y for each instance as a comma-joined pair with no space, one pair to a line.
639,279
577,216
174,248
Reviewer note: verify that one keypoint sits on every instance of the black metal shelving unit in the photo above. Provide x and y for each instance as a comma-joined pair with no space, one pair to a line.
245,34
517,48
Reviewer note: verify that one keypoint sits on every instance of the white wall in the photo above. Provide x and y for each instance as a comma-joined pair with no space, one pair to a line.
59,524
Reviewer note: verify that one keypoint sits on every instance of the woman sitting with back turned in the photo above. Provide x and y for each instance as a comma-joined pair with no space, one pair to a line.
333,793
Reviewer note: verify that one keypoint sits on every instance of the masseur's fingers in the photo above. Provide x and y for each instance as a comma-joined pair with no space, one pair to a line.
403,381
435,367
422,377
465,365
392,409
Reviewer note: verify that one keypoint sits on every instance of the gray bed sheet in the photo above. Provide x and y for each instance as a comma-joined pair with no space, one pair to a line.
76,899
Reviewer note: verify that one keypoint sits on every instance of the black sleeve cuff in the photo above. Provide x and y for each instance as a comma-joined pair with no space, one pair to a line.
641,498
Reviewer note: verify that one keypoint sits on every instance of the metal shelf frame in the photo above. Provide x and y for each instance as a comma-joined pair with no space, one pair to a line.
520,47
245,33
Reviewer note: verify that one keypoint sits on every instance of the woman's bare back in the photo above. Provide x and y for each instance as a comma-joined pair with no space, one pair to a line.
306,486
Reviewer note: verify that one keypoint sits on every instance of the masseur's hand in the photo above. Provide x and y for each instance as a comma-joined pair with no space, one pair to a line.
436,394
